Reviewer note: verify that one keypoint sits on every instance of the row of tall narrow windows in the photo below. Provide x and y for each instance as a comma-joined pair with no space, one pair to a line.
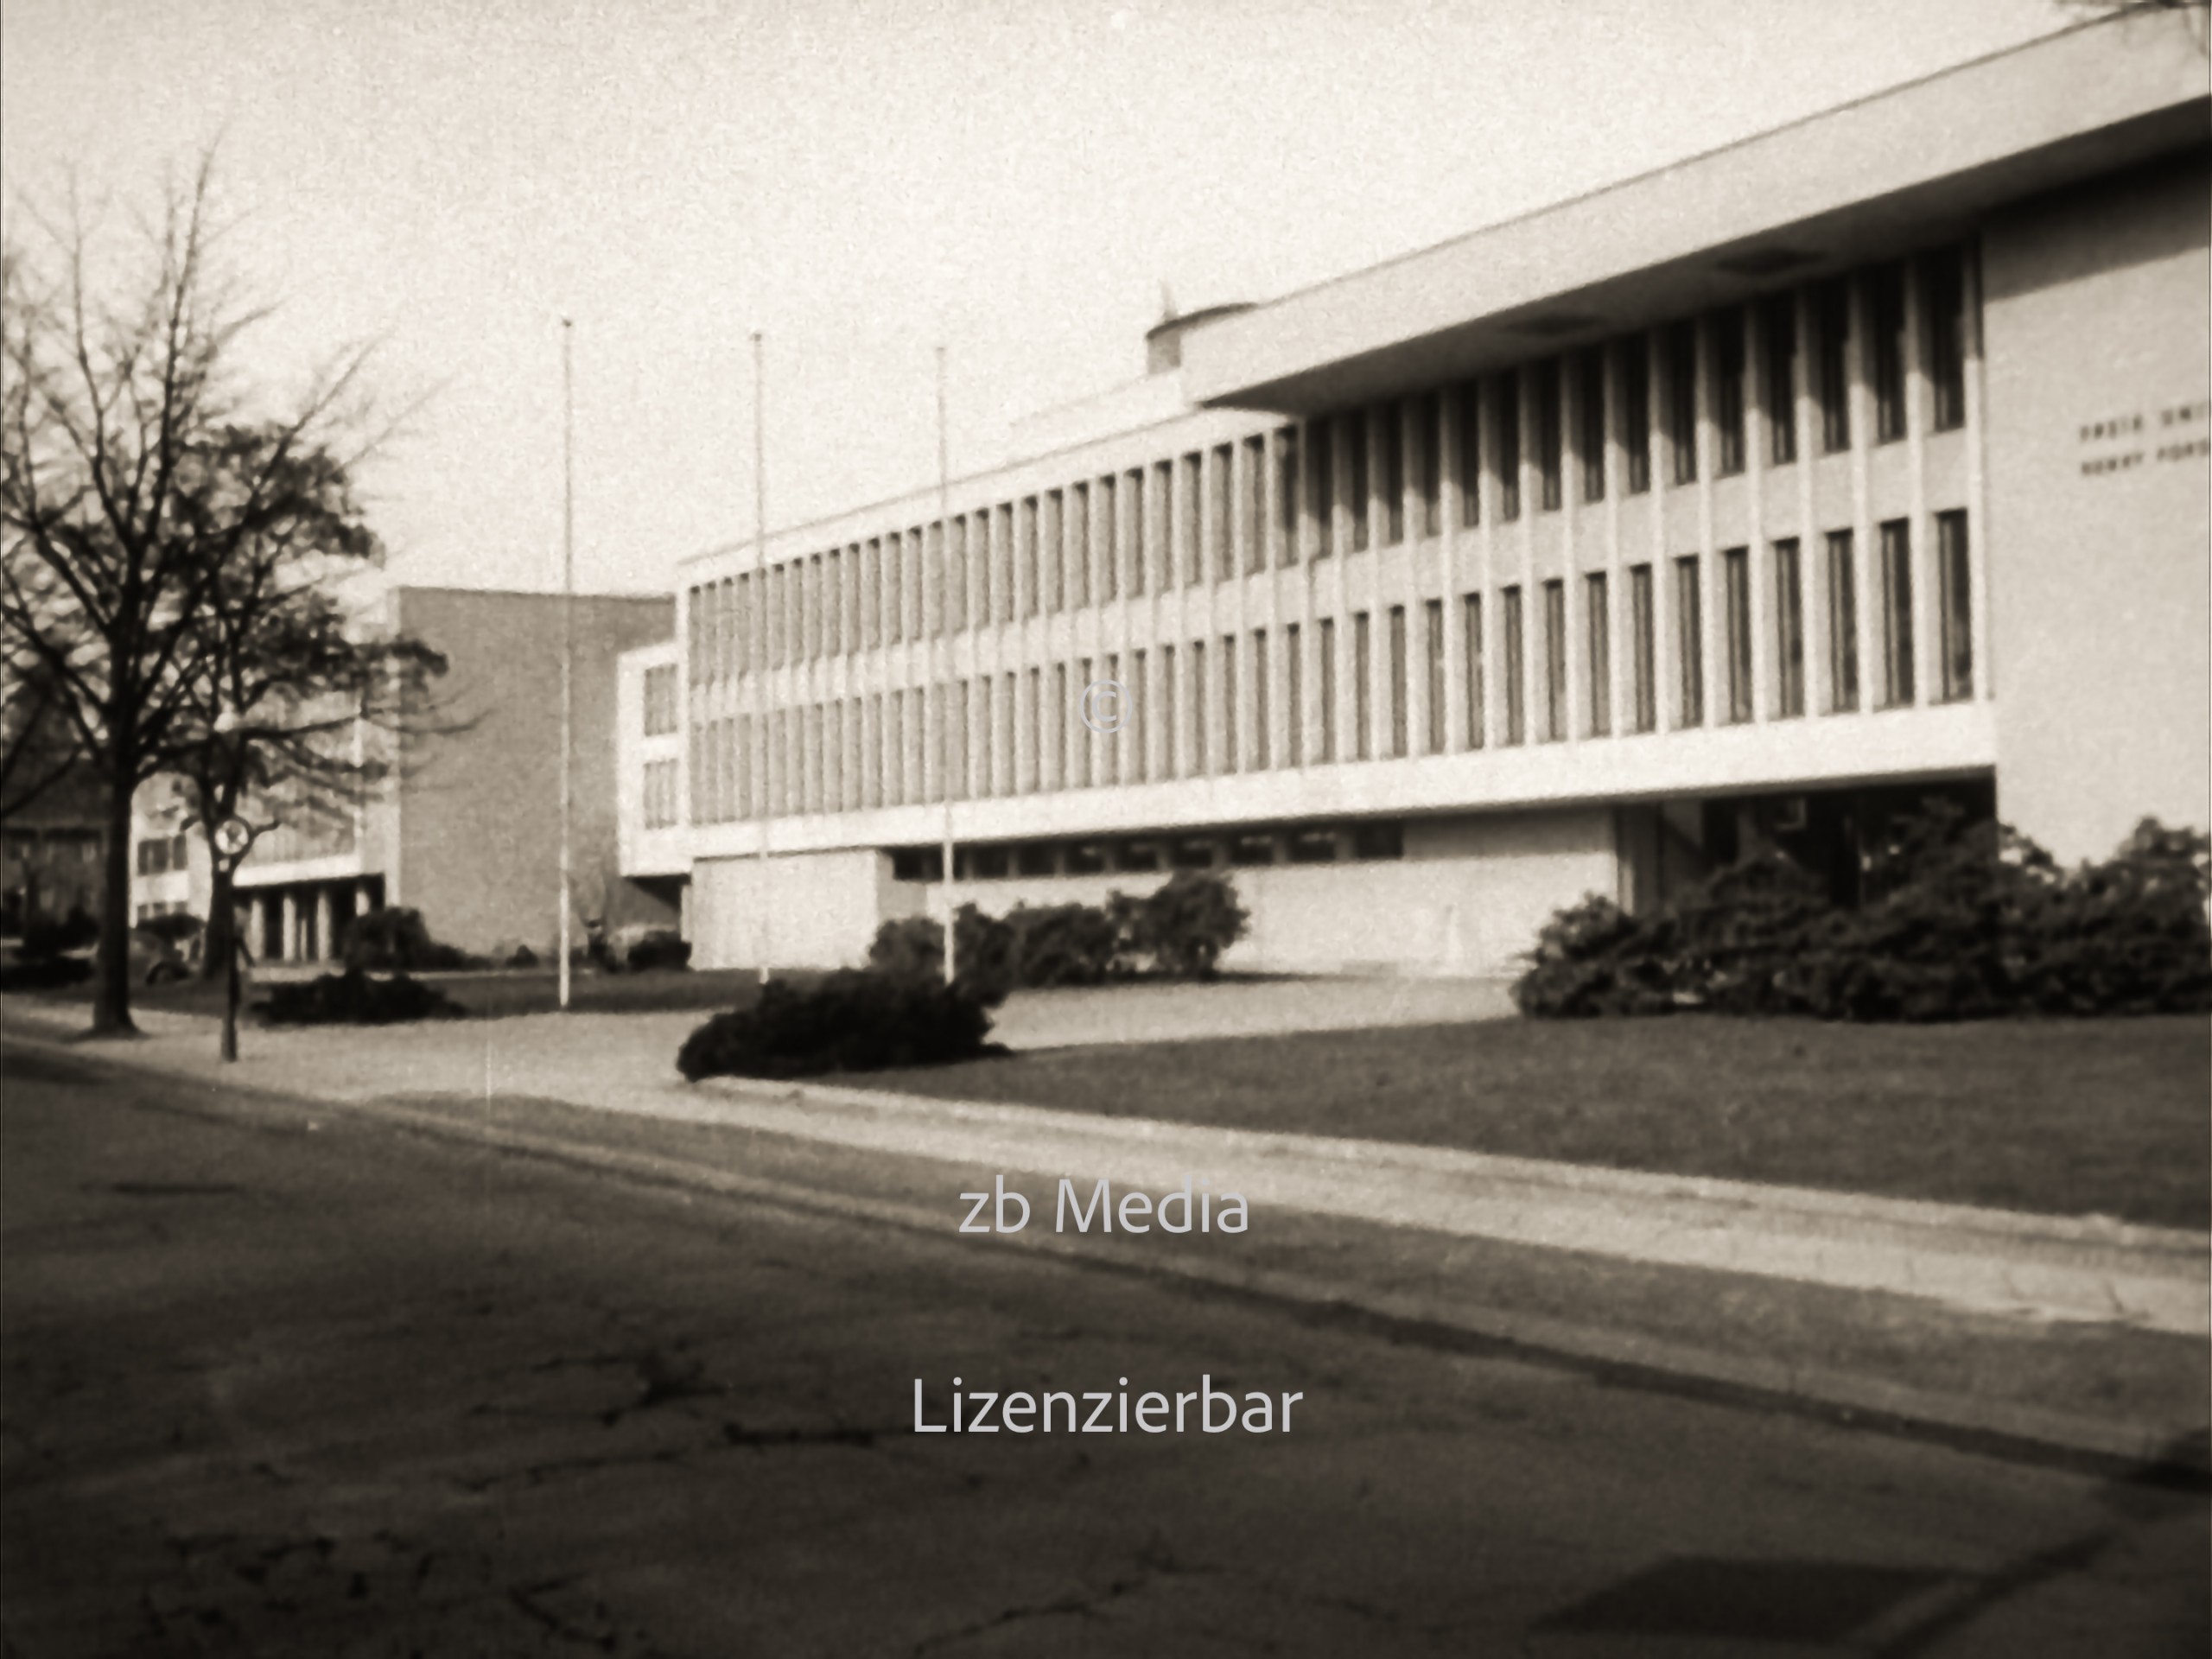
1019,732
1755,373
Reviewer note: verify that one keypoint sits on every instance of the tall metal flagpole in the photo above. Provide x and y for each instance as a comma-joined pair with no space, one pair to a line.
759,677
567,623
944,691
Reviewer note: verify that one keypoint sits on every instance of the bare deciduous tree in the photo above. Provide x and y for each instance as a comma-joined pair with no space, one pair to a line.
144,481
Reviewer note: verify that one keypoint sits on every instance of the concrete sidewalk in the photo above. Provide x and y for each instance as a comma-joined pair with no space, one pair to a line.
2032,1272
1988,1261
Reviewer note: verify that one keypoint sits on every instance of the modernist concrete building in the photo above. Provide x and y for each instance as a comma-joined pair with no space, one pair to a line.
467,827
1749,499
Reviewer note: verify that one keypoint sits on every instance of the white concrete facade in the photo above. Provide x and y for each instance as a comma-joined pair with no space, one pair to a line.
1711,486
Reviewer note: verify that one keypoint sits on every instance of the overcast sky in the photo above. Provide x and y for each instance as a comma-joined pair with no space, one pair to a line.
858,180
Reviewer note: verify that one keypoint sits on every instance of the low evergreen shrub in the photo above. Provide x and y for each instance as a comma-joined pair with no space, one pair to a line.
353,998
42,940
1065,944
1185,925
854,1021
174,926
985,965
1966,922
911,947
396,938
29,973
1181,931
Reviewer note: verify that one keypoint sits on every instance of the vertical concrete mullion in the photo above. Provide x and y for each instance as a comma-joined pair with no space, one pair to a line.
1450,505
1532,609
1758,561
1620,708
1927,644
1812,544
1976,437
1713,617
1866,560
1573,606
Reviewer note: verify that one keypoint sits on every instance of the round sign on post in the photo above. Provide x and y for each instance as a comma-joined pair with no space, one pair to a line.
232,838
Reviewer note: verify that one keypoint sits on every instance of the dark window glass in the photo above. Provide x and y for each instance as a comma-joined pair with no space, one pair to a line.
1287,496
1689,644
1886,297
1516,678
1547,433
1555,661
1362,669
1590,410
1471,622
1086,858
1393,437
1312,847
1735,584
1322,467
1597,624
917,864
1293,668
1228,702
1220,498
1432,625
1360,485
1428,460
1643,638
981,863
1832,338
1134,857
1779,332
1636,411
1681,400
1255,505
1036,858
1193,853
1947,336
1788,630
1843,622
1398,694
1251,849
1956,584
1897,612
1263,740
1728,390
1470,453
1328,690
1509,446
1383,840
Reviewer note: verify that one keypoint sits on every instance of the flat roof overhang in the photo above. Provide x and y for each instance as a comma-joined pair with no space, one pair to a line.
1915,165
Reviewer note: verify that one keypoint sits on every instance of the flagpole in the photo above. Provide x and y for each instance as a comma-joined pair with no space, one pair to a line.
944,691
567,623
759,675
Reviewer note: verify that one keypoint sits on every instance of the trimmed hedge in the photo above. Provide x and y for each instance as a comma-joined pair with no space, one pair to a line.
852,1021
1183,926
1972,921
1179,930
352,998
396,938
44,973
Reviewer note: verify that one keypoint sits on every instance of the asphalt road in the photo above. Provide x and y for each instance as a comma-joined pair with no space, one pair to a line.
276,1382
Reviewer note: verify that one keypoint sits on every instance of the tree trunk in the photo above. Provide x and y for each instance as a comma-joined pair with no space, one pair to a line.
111,1008
222,919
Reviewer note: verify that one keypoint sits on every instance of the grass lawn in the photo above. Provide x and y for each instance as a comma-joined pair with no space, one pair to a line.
493,996
2075,1117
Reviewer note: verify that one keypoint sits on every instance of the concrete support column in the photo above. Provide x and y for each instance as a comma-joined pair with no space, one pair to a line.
288,942
257,913
322,908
